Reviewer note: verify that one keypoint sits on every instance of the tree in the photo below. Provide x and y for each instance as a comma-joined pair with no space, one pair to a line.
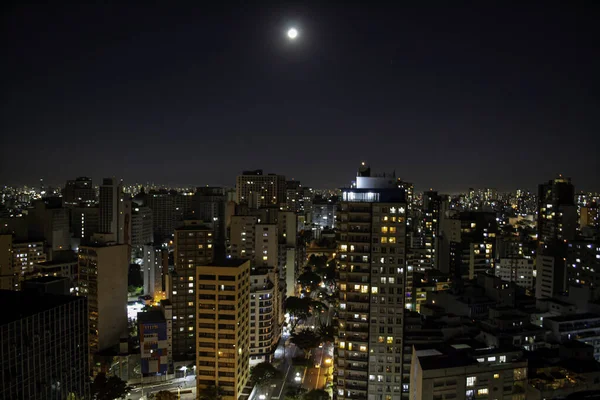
211,393
316,394
309,279
299,310
305,340
165,395
294,393
326,333
263,374
109,388
317,262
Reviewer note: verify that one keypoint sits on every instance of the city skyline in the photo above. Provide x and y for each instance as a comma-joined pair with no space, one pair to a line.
449,98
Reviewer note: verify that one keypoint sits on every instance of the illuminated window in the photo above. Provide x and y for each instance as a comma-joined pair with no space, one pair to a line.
364,289
363,348
265,258
482,391
392,240
496,376
190,328
471,380
392,229
390,340
385,218
342,345
344,247
502,359
343,286
200,246
384,229
209,246
384,240
351,247
380,339
374,290
190,303
190,278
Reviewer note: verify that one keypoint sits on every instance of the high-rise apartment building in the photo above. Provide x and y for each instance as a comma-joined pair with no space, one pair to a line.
43,346
294,196
241,236
79,192
26,254
208,205
162,204
193,248
49,220
431,225
141,226
114,210
557,212
155,330
516,269
265,330
103,269
84,222
8,279
155,263
551,275
222,357
257,190
371,262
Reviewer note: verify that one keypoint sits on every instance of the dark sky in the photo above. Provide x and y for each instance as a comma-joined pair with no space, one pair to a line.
449,97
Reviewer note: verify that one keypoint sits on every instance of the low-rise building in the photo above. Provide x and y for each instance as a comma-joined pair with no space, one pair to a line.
581,327
467,371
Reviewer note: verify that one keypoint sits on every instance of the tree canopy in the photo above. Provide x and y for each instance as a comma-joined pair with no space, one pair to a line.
309,279
305,340
316,394
210,393
299,309
263,374
110,388
326,333
165,395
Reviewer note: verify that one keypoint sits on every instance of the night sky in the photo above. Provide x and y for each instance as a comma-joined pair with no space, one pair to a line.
448,97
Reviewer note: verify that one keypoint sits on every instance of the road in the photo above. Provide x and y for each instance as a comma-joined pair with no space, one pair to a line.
171,386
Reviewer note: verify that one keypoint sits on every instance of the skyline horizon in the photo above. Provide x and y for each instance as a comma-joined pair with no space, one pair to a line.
418,188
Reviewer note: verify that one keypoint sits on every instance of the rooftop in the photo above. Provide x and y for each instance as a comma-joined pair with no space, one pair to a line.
198,227
26,304
574,317
226,263
150,316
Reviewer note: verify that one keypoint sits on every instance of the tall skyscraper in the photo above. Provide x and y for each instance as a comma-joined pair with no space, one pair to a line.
371,261
557,212
193,248
103,280
222,358
257,190
43,346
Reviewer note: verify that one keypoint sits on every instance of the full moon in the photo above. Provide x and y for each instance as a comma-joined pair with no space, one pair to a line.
292,33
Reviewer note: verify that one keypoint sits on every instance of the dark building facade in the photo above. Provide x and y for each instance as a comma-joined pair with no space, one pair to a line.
43,346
